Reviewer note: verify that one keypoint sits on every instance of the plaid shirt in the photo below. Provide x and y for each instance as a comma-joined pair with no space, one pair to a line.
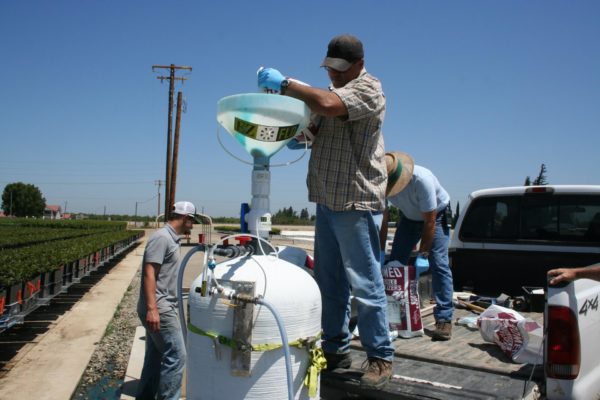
347,164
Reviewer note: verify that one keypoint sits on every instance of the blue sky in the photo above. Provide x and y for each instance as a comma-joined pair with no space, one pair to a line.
480,92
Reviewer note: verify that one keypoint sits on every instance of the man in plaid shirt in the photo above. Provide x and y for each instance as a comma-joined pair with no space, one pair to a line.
347,179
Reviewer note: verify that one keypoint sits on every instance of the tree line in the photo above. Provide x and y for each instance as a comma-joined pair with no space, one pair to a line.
26,200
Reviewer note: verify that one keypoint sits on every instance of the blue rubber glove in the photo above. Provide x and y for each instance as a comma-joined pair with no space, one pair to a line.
421,265
294,144
270,78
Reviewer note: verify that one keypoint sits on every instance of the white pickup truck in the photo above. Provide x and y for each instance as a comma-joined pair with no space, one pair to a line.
501,226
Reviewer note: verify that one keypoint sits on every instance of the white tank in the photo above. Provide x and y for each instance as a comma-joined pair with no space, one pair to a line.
293,293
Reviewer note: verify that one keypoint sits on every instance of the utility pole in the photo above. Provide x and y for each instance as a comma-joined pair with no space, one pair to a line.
135,218
173,190
171,78
159,183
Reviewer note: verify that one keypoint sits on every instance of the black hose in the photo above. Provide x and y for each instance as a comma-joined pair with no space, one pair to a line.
233,251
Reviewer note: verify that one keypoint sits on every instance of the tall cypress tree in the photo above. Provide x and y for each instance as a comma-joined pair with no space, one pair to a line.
541,179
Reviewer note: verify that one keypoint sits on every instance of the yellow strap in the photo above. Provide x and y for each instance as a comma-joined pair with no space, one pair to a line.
300,343
317,363
222,339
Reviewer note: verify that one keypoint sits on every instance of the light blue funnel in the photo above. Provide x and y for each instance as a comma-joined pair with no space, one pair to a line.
262,123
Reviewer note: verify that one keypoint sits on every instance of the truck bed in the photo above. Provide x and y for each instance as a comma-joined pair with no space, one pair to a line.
464,367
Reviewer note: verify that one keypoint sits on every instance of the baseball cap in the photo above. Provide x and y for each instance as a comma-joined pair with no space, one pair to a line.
186,208
342,52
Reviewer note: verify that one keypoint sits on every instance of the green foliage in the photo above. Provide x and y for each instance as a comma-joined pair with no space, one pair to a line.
393,214
62,224
121,217
456,215
541,179
23,200
20,264
226,220
288,216
11,236
227,228
304,214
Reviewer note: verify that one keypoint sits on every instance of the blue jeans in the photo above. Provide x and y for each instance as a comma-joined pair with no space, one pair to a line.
408,234
347,261
164,360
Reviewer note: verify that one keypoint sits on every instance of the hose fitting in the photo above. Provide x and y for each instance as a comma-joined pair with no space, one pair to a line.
245,298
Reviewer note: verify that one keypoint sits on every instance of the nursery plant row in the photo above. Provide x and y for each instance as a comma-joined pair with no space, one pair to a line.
62,223
16,236
22,263
31,276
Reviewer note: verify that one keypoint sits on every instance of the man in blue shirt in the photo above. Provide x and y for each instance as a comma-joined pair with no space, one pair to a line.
417,193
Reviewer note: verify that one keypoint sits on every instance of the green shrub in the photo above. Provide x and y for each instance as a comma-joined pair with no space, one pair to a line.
21,264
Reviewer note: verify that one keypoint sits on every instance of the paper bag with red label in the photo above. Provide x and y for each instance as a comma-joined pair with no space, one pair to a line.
403,303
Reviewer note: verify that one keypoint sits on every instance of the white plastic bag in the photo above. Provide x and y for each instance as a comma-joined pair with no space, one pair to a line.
494,318
519,338
532,351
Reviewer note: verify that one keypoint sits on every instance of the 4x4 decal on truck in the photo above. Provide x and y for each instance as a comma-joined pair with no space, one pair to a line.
589,304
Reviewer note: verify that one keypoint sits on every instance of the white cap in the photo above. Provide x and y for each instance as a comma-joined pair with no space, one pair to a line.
186,208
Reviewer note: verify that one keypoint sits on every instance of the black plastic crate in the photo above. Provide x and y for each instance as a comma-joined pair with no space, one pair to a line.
14,300
67,274
52,283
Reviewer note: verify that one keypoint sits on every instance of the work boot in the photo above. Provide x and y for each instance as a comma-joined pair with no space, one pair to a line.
443,330
338,360
377,373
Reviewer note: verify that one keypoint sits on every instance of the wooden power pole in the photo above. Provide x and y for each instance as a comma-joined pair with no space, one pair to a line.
173,190
169,197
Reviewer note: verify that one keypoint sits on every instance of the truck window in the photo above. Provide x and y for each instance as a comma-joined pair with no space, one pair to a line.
579,219
492,218
539,218
536,218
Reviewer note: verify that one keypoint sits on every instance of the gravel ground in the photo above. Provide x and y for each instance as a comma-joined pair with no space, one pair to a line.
103,377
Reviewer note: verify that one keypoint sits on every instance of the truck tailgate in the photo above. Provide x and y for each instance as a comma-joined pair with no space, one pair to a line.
463,367
581,297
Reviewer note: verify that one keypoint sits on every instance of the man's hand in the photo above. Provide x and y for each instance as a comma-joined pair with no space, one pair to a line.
561,275
153,320
270,78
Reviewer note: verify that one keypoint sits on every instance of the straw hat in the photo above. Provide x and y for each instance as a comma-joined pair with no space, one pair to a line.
400,169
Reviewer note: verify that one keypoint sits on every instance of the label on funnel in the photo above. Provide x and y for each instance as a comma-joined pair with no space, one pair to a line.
264,133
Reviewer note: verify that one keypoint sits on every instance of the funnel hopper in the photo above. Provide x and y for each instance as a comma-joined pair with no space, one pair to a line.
262,123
